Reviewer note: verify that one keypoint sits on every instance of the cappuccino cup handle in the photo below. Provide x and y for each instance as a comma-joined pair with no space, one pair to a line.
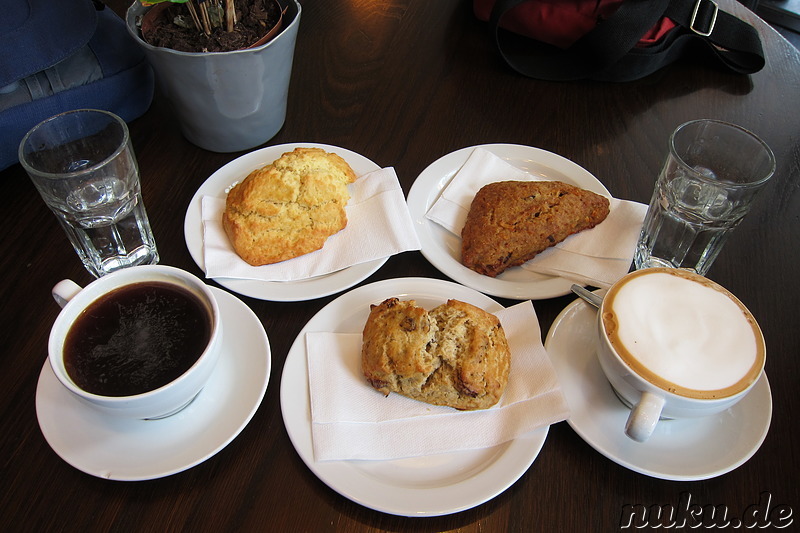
644,417
64,291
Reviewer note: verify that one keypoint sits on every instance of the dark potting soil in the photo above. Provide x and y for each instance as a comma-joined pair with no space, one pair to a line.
254,19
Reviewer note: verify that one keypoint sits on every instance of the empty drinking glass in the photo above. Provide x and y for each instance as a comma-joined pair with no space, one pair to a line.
711,176
83,165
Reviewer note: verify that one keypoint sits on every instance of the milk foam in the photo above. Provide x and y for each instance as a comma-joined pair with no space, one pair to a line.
685,332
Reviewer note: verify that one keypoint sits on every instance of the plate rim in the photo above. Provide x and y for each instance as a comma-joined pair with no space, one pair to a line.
762,388
261,349
428,187
516,458
276,291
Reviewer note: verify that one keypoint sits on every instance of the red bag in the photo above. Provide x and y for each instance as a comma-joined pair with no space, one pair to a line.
615,40
562,22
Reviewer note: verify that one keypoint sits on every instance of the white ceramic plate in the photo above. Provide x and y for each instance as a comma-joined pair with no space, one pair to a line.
681,450
421,486
443,249
283,291
132,450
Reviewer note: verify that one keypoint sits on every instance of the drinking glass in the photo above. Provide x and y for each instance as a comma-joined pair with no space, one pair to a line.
712,173
83,165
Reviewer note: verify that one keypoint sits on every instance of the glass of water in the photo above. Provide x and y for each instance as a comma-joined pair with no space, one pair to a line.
83,165
711,175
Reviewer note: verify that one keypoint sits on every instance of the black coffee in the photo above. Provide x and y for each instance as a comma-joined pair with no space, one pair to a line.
136,339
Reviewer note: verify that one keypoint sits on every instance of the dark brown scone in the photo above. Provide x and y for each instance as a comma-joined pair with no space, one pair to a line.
509,222
456,355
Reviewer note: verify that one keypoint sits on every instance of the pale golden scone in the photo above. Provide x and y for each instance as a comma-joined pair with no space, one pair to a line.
455,355
510,222
289,207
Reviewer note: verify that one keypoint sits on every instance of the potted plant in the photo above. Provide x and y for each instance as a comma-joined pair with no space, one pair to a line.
210,26
224,65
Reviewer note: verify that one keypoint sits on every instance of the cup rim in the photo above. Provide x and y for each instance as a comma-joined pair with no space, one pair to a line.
64,175
730,184
60,371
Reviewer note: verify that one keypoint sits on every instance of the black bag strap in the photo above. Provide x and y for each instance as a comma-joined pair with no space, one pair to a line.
733,40
609,51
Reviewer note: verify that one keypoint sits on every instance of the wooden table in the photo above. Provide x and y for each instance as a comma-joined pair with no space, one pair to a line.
405,82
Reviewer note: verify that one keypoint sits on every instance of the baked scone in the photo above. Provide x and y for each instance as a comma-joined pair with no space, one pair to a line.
455,355
509,222
289,207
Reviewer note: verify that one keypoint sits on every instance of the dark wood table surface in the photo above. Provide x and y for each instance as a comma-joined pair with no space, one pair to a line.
404,82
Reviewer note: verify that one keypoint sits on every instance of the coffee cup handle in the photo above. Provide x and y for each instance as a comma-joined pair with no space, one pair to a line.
64,291
644,417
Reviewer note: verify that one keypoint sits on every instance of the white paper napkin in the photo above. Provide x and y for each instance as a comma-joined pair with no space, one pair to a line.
378,225
598,256
351,420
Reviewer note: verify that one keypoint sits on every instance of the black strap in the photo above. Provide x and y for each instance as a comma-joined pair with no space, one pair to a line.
609,51
734,41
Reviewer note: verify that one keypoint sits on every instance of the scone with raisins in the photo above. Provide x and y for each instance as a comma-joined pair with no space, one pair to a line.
455,355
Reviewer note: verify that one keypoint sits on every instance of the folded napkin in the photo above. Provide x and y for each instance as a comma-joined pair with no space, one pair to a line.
597,257
351,420
378,225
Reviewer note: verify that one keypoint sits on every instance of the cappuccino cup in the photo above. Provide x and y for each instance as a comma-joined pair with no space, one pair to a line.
674,344
140,342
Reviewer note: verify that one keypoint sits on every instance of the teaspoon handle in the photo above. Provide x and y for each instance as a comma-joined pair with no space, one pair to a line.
588,296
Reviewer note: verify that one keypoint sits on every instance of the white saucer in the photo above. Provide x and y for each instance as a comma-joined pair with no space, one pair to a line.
420,486
443,249
683,450
280,291
132,450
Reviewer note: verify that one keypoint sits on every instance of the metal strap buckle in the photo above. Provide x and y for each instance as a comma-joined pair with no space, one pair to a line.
710,25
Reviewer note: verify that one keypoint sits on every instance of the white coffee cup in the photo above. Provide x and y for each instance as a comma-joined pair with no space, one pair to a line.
166,399
674,344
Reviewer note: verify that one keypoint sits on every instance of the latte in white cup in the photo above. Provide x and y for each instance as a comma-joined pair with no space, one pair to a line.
675,344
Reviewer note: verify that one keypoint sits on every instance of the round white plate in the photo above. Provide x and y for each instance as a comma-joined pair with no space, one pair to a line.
681,450
443,249
281,291
133,450
420,486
